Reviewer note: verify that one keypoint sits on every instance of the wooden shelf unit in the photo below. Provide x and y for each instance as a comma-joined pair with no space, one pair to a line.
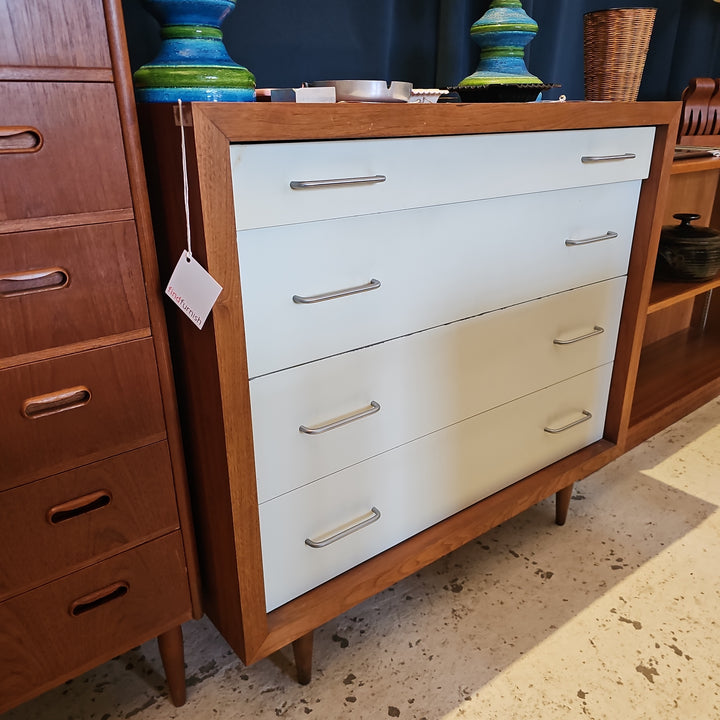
675,371
679,367
665,294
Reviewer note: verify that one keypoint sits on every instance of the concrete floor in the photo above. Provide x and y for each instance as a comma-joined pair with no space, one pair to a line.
614,616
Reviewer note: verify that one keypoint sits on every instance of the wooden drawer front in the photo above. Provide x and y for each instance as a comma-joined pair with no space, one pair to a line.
68,285
421,483
61,413
43,33
62,629
423,382
80,166
59,524
423,171
434,265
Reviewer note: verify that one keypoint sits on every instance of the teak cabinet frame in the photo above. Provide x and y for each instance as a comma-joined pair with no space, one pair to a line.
211,368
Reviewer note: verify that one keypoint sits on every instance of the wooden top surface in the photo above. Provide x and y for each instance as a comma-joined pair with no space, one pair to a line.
263,121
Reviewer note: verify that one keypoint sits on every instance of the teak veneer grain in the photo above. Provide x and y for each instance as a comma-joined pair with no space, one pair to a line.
100,548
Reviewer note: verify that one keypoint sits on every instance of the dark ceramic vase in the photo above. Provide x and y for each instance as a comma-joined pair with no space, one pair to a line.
502,33
193,64
687,252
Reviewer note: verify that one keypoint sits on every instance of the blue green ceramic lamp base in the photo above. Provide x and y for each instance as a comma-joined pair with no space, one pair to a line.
193,64
502,34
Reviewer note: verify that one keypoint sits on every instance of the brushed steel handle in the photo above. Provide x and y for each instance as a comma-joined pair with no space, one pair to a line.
335,182
78,506
332,295
20,140
374,517
55,402
318,429
24,283
607,158
597,330
555,431
99,597
609,235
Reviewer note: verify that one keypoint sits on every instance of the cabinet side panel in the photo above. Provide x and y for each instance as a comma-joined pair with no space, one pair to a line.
223,548
640,271
141,205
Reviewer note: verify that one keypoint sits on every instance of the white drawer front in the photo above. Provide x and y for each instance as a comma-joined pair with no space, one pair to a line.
424,171
435,265
423,382
421,483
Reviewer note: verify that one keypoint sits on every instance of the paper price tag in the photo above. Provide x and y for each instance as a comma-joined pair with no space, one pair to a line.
193,289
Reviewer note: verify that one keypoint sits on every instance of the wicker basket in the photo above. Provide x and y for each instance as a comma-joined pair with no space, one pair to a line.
615,44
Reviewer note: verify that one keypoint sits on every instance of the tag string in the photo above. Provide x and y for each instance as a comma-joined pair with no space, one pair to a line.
186,191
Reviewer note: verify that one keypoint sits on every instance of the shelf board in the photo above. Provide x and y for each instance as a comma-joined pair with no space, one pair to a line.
666,293
676,375
692,165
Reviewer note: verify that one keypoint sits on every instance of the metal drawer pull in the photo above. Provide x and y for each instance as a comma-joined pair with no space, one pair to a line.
31,282
371,410
98,598
607,158
554,431
306,300
609,235
374,517
335,182
20,140
55,402
79,506
597,330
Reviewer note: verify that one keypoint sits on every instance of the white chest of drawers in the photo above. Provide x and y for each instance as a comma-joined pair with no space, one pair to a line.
428,324
432,312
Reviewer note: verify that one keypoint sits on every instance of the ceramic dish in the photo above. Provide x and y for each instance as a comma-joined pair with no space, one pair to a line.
367,90
690,253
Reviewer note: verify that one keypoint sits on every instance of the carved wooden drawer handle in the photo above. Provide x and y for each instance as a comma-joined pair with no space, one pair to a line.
34,281
20,140
98,598
55,402
79,506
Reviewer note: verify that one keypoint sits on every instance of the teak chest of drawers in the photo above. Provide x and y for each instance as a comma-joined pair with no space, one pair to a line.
429,322
96,544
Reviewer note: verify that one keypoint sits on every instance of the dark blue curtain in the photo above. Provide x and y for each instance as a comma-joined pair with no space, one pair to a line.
427,42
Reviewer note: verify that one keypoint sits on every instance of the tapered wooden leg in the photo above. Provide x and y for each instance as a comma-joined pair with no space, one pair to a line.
562,503
302,650
173,659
